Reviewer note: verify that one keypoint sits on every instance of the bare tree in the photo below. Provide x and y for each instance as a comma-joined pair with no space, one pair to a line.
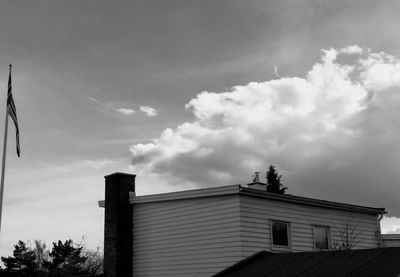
94,258
41,253
94,261
349,234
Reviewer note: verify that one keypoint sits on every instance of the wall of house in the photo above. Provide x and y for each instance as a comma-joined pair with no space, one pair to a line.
391,240
188,237
256,215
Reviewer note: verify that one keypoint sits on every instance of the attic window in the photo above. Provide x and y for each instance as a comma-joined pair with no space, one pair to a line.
280,231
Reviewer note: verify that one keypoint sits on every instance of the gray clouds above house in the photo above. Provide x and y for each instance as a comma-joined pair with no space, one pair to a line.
333,133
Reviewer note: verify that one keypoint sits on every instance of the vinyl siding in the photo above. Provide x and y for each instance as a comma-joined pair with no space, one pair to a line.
256,215
199,236
189,237
390,243
391,240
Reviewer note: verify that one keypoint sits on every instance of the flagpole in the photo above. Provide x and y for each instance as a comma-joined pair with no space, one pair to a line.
3,165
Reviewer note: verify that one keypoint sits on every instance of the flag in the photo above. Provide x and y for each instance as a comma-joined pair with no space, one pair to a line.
12,111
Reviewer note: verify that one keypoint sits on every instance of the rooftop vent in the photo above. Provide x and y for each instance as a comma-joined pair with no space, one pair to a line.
256,184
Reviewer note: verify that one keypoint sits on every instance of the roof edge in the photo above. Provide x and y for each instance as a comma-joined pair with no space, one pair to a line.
238,189
311,201
120,174
240,263
186,194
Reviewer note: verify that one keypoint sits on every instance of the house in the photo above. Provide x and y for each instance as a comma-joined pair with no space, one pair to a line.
391,240
201,232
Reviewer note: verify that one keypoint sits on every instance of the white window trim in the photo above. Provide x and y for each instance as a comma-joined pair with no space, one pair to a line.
289,234
329,236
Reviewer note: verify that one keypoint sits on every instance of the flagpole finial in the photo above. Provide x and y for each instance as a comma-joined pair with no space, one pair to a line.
10,65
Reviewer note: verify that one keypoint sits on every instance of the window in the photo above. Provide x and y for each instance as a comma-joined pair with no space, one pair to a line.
321,238
280,232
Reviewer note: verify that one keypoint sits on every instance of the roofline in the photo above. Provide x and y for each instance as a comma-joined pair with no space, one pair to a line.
243,262
179,195
311,201
186,194
238,189
316,263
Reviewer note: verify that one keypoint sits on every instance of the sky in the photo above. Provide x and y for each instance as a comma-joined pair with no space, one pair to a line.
193,94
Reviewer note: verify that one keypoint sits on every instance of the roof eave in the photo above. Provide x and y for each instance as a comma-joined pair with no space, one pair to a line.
311,201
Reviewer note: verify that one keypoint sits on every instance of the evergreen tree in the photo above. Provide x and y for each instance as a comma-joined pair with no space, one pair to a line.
23,259
67,258
274,181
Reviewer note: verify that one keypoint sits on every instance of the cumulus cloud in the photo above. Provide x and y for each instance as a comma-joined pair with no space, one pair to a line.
332,133
125,111
148,111
390,225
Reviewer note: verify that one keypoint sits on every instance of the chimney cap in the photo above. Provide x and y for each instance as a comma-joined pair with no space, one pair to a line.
120,174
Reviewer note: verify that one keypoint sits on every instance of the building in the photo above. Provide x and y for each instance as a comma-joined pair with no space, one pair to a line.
391,240
201,232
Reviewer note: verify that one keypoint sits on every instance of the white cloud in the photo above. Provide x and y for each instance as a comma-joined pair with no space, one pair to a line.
148,111
332,133
352,49
381,71
390,225
125,111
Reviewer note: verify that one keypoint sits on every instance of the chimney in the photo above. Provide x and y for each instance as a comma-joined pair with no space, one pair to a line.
118,225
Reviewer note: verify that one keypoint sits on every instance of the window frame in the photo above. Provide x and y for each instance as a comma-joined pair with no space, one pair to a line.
289,236
328,235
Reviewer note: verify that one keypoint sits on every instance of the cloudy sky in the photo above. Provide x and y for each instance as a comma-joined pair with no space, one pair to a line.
190,94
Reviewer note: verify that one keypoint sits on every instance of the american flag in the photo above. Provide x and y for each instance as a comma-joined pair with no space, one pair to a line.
12,111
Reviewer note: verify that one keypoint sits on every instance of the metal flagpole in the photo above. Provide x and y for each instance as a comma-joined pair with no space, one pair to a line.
3,166
10,108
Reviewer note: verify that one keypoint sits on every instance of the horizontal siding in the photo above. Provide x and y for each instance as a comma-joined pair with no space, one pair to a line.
391,240
189,237
387,243
184,207
181,271
257,213
201,236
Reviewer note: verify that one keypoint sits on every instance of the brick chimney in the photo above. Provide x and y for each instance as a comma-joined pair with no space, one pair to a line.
118,225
